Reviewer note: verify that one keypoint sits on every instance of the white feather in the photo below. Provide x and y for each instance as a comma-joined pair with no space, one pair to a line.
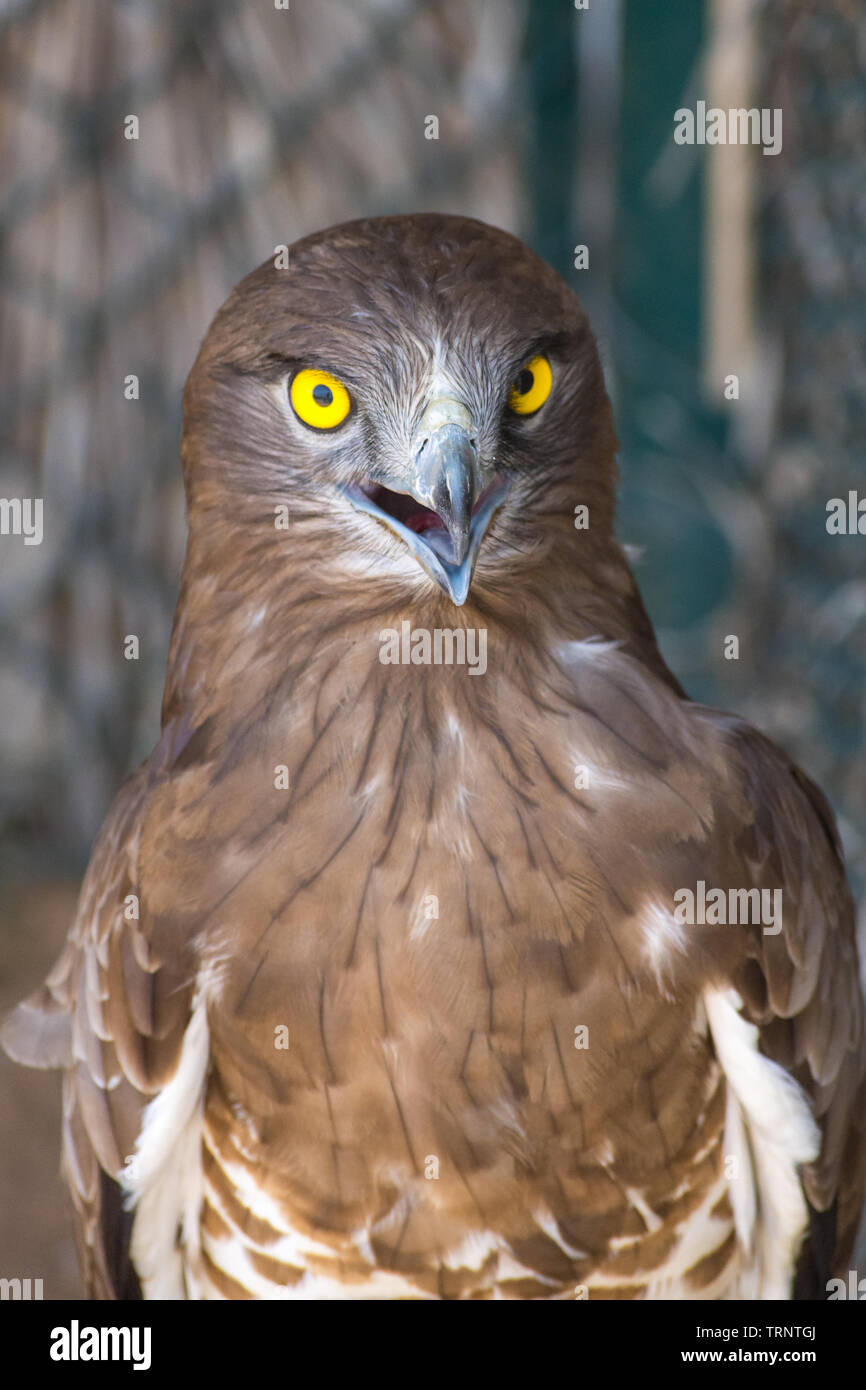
770,1128
164,1183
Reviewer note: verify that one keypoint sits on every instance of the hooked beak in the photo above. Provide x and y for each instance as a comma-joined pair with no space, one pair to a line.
442,506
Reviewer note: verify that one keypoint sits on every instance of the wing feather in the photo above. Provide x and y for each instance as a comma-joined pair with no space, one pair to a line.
802,987
113,1017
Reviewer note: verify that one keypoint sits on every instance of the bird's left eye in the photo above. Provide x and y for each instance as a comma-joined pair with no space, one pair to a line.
531,387
319,399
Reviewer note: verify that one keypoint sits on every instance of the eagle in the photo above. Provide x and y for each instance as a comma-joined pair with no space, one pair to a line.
443,948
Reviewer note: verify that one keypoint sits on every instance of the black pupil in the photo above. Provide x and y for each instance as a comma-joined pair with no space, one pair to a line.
322,395
524,382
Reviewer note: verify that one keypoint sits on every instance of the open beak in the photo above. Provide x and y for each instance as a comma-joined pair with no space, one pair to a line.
444,504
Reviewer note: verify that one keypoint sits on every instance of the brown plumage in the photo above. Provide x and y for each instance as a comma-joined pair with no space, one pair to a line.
436,906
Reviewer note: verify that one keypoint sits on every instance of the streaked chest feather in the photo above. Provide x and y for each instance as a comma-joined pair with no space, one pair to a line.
241,1225
459,1049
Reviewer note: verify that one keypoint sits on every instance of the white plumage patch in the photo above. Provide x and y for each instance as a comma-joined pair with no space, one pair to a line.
663,939
164,1182
769,1133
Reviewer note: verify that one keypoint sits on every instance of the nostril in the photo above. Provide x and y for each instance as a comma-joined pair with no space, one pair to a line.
422,446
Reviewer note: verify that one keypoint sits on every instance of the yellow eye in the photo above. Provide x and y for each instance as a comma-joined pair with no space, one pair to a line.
531,387
319,399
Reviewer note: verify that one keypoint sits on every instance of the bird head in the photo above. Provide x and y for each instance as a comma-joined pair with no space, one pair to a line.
423,396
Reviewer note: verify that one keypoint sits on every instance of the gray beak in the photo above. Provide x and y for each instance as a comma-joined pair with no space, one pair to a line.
448,481
443,502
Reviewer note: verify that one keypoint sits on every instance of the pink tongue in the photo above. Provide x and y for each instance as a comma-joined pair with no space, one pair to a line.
423,521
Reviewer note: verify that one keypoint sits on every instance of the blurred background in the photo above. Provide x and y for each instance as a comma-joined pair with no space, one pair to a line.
258,124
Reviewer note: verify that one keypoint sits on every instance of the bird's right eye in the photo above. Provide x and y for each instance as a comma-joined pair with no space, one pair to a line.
319,399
